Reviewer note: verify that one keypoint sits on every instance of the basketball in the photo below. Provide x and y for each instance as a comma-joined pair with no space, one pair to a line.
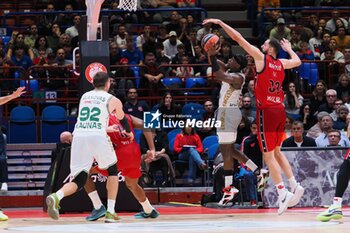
209,41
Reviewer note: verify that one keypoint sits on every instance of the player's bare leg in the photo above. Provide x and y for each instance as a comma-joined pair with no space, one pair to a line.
284,196
148,210
296,188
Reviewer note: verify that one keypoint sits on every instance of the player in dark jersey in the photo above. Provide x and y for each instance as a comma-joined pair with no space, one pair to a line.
129,160
270,110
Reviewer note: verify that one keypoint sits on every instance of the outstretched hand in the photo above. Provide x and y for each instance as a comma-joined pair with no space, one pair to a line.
286,45
20,91
150,155
214,21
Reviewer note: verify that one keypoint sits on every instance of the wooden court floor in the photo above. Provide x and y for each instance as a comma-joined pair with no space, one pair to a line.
181,220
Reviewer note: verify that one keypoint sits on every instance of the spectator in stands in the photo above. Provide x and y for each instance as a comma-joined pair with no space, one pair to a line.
206,29
225,52
41,44
180,52
326,38
250,70
247,109
162,34
293,100
335,113
125,79
208,114
141,39
312,22
189,147
342,40
251,93
2,52
191,42
19,58
305,54
334,137
19,42
160,54
316,42
133,106
331,96
61,58
184,72
121,36
47,20
326,126
73,30
346,53
170,45
199,58
53,39
343,87
162,161
174,24
114,53
340,123
307,118
298,139
295,40
134,55
66,19
280,31
184,32
348,125
186,3
322,23
41,59
331,25
66,138
163,4
150,44
268,15
318,96
288,127
337,55
30,39
168,107
250,147
150,74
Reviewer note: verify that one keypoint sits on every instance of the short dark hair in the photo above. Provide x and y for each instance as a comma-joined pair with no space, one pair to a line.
100,79
298,123
334,131
275,44
241,60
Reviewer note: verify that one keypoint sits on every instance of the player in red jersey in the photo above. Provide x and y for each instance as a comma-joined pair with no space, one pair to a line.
129,160
270,110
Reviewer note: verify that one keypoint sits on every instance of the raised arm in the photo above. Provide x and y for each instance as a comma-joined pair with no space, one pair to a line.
14,95
236,36
294,60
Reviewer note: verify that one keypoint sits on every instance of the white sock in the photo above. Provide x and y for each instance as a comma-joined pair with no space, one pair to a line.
228,180
95,199
110,206
251,165
337,201
60,194
146,206
293,183
281,189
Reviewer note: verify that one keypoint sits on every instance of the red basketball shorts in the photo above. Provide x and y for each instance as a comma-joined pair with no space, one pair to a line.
270,123
129,162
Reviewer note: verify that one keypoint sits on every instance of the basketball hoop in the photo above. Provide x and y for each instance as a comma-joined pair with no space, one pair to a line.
128,5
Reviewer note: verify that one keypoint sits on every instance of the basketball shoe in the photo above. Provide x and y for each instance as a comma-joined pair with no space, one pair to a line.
142,214
111,218
52,203
97,213
3,217
333,212
262,179
298,193
229,194
283,202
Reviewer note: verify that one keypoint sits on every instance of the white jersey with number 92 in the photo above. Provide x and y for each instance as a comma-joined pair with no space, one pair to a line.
93,112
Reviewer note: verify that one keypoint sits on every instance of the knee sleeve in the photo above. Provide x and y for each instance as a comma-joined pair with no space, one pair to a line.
113,170
80,179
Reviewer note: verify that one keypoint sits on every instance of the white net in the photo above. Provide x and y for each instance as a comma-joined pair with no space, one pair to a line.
128,5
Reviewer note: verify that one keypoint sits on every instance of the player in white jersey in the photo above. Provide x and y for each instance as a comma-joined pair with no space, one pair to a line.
91,141
232,81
